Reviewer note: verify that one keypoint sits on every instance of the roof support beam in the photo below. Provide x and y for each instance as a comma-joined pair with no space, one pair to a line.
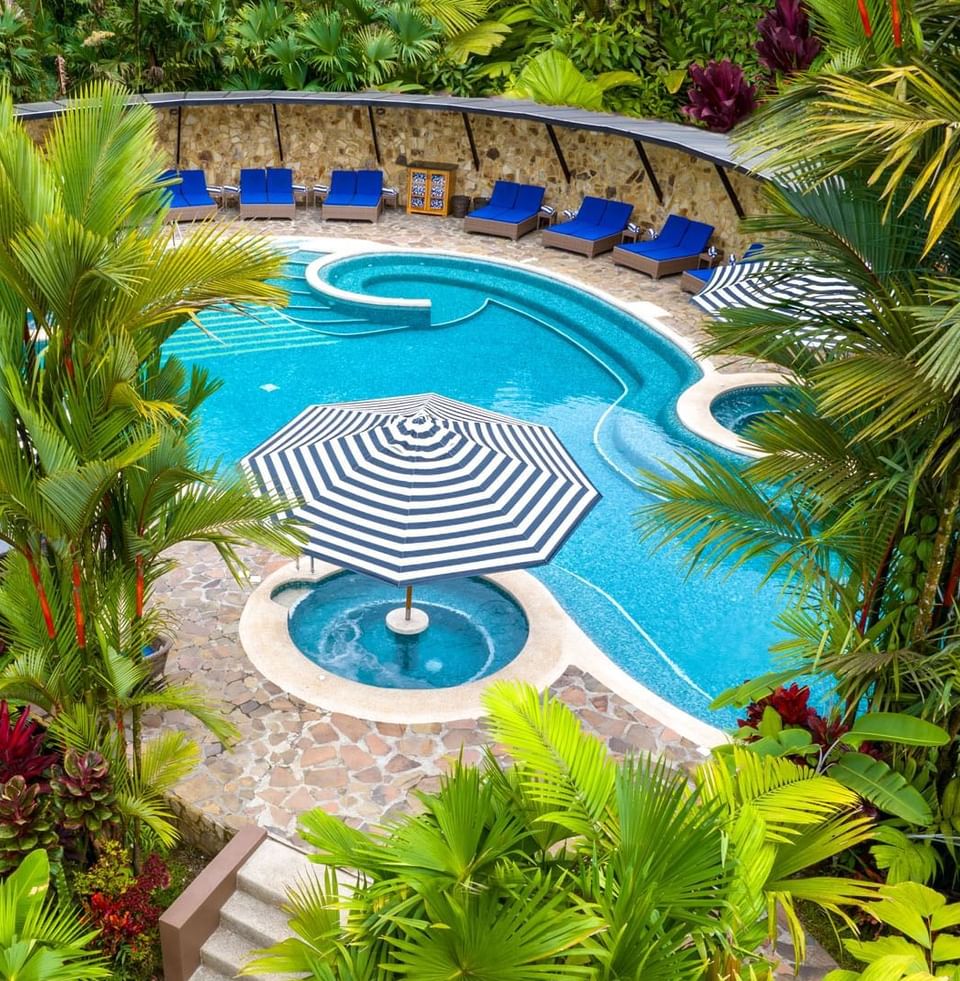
276,128
373,134
471,141
179,132
561,159
731,193
648,170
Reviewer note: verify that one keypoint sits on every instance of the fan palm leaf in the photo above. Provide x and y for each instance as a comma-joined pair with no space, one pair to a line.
563,768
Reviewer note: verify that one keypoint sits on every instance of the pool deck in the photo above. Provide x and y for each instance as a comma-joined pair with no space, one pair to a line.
292,756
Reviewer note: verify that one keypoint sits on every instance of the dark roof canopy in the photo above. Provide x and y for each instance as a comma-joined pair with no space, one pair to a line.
714,147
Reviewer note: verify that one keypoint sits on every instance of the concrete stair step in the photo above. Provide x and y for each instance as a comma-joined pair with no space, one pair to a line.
254,920
272,869
227,952
203,973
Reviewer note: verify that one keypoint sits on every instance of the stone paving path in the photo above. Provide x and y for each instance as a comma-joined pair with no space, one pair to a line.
291,756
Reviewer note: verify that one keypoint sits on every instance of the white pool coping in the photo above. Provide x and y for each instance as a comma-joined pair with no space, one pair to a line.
554,643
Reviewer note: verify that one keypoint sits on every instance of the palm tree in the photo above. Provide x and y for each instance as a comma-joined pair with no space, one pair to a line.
567,864
99,476
38,938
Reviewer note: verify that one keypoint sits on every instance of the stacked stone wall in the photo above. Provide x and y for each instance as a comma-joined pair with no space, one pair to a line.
318,139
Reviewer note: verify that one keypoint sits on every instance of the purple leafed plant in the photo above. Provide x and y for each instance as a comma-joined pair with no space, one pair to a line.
720,95
786,44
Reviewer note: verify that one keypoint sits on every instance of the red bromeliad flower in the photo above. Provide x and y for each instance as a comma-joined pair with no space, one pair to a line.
789,703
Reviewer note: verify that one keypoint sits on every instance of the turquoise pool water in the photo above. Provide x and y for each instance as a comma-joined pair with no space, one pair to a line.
515,342
475,629
739,407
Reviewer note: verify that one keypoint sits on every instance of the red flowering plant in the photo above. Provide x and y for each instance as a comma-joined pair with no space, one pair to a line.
720,95
123,907
786,45
859,752
22,752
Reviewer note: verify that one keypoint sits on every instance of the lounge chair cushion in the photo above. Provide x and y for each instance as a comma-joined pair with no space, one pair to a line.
194,188
279,185
343,187
695,237
616,215
489,213
369,185
253,186
591,211
529,199
504,195
585,230
673,230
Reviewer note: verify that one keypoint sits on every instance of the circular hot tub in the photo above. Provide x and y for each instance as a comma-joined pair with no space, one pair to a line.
339,623
737,407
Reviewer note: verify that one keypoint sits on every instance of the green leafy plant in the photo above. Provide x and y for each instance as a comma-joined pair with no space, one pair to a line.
925,944
552,78
41,940
568,864
28,821
84,792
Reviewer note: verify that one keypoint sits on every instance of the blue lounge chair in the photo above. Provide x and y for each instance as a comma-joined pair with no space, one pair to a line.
694,280
189,200
513,210
267,193
677,247
597,228
354,195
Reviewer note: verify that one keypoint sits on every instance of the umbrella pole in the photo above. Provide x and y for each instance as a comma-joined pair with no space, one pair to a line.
408,606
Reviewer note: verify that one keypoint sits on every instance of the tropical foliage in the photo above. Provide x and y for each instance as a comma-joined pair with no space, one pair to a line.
100,478
568,864
925,944
41,940
854,503
480,47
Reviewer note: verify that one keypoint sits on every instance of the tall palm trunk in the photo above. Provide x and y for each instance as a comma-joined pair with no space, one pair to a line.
941,542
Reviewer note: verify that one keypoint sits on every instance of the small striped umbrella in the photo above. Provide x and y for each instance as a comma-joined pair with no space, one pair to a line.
771,285
422,487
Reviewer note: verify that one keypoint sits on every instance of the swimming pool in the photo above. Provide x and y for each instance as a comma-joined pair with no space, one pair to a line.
526,345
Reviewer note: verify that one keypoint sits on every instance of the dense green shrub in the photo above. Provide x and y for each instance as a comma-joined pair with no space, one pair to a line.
474,48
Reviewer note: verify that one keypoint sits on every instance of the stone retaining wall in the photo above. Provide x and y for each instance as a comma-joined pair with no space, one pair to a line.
317,139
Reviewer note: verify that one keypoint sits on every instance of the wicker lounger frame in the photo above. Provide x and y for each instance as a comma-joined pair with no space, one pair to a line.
352,212
505,229
656,267
267,210
583,246
195,212
692,284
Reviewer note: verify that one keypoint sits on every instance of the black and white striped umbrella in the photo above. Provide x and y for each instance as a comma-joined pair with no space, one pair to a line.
766,285
422,487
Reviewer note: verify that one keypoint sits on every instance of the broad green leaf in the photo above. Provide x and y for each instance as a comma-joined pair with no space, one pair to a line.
895,727
946,948
875,781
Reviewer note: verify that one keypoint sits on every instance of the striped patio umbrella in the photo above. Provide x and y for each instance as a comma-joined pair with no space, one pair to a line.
769,285
422,487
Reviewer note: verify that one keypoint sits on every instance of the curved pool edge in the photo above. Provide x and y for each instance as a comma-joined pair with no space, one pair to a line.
693,403
554,643
693,406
